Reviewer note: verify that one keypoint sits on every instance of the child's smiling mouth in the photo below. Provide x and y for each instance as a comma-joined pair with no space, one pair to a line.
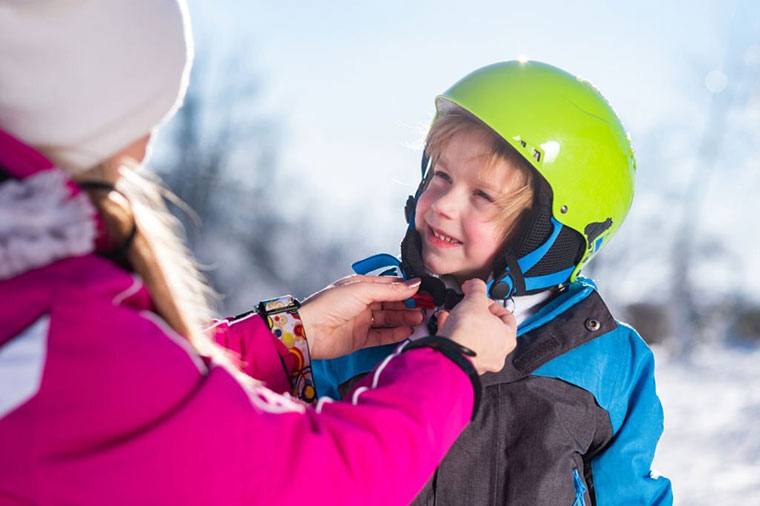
437,238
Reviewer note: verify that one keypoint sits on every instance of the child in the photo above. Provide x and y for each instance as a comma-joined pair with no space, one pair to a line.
527,173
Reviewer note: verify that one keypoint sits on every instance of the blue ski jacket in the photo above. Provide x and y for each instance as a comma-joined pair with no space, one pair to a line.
573,418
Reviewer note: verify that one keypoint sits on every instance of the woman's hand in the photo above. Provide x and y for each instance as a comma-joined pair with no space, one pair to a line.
482,325
357,312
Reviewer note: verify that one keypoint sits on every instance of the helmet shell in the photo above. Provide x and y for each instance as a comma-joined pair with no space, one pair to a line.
567,131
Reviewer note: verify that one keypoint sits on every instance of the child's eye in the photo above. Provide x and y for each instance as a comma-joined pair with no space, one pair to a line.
483,195
442,175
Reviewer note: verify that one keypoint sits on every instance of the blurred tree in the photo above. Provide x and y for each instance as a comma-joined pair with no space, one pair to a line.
670,252
732,86
236,203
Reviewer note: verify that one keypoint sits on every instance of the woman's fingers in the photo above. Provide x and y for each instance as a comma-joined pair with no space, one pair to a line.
396,318
379,337
398,305
356,278
372,289
503,313
385,292
442,316
474,288
391,306
497,309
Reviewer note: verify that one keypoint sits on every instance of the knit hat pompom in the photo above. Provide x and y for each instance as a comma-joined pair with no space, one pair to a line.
82,79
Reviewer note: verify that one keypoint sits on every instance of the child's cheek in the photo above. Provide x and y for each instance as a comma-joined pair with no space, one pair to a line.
423,203
483,239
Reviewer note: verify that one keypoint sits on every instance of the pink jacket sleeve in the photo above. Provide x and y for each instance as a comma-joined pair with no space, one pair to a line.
223,446
127,413
379,447
260,354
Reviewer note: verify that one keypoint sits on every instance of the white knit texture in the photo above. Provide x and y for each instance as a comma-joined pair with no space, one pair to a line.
41,222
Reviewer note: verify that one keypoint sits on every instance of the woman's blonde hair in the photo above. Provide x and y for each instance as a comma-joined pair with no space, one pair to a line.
158,253
512,206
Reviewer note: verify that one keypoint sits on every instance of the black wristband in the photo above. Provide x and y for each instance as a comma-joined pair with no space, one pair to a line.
456,353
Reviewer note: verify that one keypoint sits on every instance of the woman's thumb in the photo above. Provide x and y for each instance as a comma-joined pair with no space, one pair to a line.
474,286
442,316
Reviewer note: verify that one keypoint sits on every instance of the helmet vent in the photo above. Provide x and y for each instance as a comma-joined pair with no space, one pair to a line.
534,152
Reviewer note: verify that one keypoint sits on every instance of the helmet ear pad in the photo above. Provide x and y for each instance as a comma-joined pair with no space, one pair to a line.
412,266
535,228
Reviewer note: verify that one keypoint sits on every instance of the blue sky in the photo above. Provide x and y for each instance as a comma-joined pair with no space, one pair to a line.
352,83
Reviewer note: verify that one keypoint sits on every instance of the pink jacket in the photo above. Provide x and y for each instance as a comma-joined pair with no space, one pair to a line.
107,405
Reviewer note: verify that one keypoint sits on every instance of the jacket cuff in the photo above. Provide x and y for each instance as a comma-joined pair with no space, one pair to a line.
457,354
282,318
260,354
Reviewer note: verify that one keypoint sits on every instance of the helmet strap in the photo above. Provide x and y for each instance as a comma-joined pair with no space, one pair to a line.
411,249
543,255
411,201
413,267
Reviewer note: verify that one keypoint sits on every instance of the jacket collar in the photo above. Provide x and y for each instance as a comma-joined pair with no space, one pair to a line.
574,317
44,216
18,160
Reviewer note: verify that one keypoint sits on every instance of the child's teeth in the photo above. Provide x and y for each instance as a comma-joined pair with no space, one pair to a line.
443,237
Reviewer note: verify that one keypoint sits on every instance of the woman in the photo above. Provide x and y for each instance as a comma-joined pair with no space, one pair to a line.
110,391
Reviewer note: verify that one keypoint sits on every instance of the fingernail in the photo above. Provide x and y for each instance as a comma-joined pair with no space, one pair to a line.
413,282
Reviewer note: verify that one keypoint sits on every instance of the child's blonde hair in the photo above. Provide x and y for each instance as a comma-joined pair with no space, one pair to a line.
513,205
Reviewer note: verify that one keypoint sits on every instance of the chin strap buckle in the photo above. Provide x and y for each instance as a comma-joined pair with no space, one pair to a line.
501,288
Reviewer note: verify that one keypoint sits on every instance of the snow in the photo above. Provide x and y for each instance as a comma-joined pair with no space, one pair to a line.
711,445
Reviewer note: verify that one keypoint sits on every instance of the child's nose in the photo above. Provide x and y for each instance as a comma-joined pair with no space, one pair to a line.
446,204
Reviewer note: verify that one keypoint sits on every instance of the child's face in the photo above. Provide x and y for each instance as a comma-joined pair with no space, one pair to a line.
456,214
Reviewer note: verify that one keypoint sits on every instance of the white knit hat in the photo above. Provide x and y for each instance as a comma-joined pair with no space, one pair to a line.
82,79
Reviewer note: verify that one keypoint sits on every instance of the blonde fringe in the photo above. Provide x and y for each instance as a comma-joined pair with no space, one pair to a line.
511,205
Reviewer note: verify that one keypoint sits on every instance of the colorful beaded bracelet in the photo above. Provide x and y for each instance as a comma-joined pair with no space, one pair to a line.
282,318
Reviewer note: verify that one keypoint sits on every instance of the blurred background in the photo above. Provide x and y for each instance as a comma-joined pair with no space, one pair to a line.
300,139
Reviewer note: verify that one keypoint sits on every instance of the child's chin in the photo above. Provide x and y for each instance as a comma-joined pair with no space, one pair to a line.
437,268
458,275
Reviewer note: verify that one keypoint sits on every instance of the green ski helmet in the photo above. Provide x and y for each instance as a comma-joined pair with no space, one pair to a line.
568,132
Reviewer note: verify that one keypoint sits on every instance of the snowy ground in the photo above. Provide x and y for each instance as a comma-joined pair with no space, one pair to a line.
711,445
